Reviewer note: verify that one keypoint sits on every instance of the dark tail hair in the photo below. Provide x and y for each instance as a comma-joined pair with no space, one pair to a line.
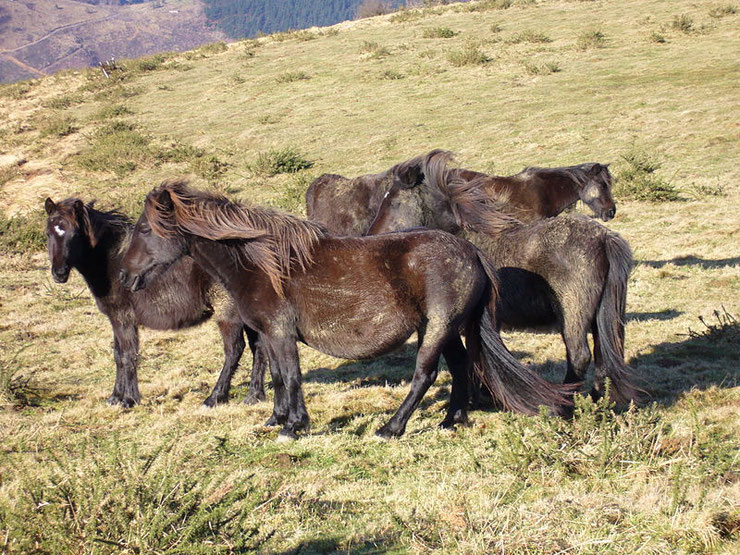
610,322
517,387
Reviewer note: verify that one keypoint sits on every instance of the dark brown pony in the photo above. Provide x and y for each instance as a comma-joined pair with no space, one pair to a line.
566,274
92,241
538,193
348,206
347,297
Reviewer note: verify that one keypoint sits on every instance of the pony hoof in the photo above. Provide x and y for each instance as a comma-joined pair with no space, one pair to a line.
253,399
213,401
125,402
387,433
272,421
286,436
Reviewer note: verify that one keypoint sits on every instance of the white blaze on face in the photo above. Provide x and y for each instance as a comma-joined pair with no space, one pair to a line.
59,231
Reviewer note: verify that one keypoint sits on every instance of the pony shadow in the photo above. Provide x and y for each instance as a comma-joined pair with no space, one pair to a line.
381,544
670,369
663,315
691,260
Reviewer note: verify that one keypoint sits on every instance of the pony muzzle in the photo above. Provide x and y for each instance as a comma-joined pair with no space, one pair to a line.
60,275
134,282
607,215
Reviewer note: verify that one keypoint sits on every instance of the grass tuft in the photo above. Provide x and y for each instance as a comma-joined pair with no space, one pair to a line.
542,69
58,127
533,37
683,23
273,162
485,5
471,54
392,75
292,76
439,33
591,39
657,37
722,11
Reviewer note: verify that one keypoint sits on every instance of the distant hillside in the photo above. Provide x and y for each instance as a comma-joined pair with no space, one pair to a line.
40,38
248,18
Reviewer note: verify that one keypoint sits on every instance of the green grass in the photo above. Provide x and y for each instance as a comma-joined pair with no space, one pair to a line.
439,33
79,476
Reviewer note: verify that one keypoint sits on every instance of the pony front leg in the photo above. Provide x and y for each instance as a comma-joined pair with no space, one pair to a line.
280,402
427,368
126,355
233,337
285,355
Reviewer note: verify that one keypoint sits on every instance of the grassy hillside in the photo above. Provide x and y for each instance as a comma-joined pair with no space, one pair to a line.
645,84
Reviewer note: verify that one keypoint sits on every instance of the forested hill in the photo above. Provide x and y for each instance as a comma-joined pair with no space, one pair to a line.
248,18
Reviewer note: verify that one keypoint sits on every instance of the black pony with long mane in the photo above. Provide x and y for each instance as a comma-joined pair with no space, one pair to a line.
92,241
348,297
566,274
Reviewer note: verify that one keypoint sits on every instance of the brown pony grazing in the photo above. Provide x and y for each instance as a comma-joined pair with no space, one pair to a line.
92,241
567,274
348,206
347,297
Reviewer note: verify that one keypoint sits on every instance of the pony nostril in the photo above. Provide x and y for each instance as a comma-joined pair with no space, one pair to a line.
123,276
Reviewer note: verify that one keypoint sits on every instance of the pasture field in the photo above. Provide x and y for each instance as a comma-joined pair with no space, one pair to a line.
650,85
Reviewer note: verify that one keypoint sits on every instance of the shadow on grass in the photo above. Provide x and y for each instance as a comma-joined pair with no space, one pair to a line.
645,316
693,261
699,362
382,544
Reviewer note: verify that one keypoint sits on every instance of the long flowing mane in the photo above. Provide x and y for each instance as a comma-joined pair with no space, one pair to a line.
580,173
471,204
274,241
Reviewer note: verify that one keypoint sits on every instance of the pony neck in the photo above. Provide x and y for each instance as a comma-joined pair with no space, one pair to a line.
95,263
560,193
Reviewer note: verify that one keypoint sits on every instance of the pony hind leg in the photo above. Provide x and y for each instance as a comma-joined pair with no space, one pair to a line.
460,365
260,361
577,352
427,368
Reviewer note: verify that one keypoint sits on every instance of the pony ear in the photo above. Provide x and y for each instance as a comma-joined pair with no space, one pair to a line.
83,217
596,169
408,176
164,200
49,206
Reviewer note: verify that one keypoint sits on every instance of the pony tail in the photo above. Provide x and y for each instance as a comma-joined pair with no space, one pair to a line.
514,385
610,320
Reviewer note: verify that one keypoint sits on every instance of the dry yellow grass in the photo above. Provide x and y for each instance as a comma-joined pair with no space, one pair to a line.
660,479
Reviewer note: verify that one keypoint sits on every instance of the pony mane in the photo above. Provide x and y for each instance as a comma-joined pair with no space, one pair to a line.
274,241
472,205
579,173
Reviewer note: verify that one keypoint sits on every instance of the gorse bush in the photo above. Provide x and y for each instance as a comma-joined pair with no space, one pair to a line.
286,160
120,499
293,198
112,111
637,179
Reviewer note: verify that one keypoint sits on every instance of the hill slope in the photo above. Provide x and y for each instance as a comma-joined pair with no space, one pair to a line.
547,83
39,38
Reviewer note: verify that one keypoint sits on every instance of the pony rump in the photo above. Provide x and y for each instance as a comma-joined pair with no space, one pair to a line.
273,241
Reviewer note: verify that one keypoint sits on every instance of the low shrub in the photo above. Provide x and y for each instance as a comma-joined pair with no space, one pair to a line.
470,55
591,39
58,127
534,37
276,161
439,33
683,23
637,179
291,76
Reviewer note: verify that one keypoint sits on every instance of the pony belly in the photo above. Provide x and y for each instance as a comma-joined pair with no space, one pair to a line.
366,336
